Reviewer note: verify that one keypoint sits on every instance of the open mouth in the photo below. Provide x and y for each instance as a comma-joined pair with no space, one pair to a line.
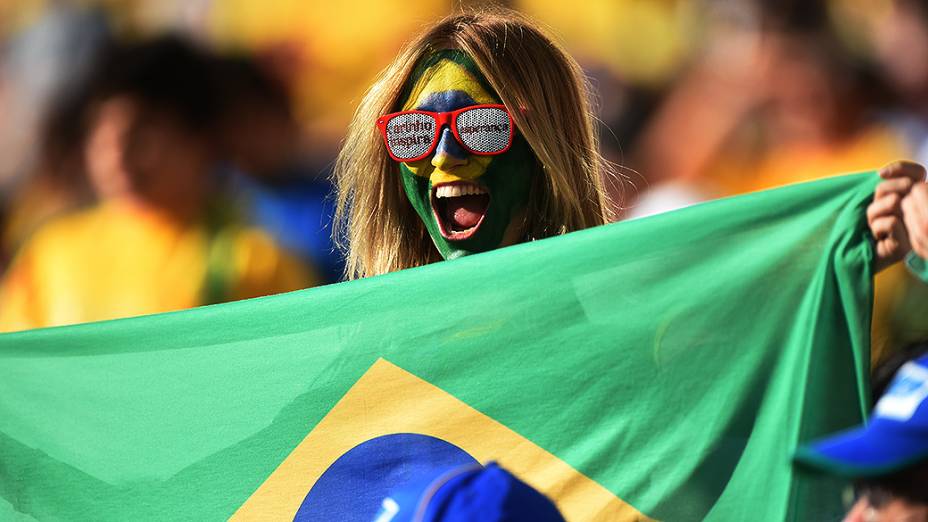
459,208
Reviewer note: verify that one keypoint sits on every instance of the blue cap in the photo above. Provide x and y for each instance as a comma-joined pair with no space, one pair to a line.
895,438
470,492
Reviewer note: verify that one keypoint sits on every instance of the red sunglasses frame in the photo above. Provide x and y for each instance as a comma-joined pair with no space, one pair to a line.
443,119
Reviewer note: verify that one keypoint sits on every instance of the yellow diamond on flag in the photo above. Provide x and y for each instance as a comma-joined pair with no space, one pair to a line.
388,401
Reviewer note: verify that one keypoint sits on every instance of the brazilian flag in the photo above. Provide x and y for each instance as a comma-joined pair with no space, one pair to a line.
658,369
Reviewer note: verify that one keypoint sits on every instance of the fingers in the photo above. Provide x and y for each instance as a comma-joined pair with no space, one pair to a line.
898,215
888,205
915,214
884,227
903,169
891,240
900,186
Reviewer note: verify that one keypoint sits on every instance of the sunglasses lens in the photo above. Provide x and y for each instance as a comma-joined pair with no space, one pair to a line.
410,135
485,130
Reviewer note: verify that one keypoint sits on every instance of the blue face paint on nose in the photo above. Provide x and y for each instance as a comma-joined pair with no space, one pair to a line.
450,146
447,101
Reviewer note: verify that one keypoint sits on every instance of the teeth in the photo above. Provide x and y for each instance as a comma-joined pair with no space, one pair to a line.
453,191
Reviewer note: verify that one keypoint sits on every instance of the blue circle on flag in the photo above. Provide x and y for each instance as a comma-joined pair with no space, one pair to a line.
354,486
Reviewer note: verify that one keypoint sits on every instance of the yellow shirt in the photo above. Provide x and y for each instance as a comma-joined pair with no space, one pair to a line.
871,149
118,260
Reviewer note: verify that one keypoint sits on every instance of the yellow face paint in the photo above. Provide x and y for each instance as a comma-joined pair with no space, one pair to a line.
447,76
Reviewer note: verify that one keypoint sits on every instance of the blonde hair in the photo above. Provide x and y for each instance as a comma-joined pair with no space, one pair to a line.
550,101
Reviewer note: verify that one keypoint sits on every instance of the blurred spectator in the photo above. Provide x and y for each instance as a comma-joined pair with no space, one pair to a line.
158,240
284,192
888,458
768,105
819,118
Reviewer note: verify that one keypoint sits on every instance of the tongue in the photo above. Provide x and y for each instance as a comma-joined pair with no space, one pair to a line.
464,212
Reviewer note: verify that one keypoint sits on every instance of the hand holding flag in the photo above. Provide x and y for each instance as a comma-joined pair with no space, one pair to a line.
898,216
915,215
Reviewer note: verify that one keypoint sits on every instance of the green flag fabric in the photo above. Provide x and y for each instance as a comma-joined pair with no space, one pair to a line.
663,368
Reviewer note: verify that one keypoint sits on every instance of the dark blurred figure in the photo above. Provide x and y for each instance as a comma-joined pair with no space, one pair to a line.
888,458
158,239
773,100
284,193
820,116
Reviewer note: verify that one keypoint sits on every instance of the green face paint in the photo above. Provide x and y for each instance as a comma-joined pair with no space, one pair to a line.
441,187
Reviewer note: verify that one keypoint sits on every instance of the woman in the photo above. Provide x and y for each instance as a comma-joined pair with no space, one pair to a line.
525,162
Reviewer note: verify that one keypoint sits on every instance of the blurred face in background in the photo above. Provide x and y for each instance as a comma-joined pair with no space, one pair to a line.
262,140
803,100
904,28
895,510
147,156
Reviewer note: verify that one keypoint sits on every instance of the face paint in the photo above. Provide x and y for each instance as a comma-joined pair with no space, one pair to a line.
467,202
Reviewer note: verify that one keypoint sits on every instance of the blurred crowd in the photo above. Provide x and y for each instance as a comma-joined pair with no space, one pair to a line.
156,155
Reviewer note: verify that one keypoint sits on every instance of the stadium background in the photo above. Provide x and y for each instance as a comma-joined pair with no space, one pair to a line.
697,99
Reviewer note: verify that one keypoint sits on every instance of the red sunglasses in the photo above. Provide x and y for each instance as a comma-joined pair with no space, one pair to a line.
481,129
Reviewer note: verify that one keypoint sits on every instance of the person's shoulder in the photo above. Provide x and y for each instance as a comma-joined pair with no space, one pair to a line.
261,265
252,242
68,230
256,252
